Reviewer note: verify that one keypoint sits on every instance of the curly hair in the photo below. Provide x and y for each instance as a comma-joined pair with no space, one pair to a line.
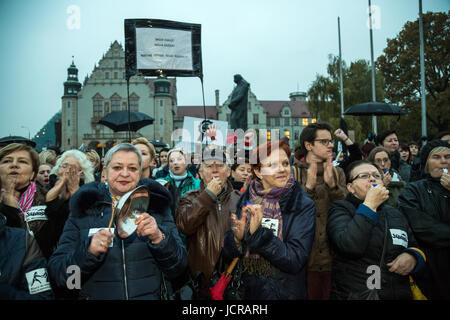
84,162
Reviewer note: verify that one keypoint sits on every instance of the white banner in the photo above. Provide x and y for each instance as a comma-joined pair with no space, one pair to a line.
164,49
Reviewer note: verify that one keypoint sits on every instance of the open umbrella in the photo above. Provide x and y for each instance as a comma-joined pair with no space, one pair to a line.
16,139
374,109
118,120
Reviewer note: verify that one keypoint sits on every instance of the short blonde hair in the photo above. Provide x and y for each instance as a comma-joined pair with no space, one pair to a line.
47,156
142,140
92,153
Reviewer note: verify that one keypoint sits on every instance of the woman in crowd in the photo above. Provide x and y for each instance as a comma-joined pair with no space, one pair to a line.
364,232
426,204
179,180
273,229
414,149
43,176
113,267
392,180
94,158
241,175
163,169
148,155
405,161
22,201
72,170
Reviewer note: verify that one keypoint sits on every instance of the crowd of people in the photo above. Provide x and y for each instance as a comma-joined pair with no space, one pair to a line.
319,222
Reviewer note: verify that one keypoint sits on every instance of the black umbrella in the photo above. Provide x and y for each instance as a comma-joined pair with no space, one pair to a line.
374,109
118,120
159,144
16,139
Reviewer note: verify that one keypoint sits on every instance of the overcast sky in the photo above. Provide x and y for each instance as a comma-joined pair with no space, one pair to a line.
277,46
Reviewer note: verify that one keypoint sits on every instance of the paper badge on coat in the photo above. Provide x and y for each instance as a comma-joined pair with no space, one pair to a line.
399,237
271,224
38,281
129,208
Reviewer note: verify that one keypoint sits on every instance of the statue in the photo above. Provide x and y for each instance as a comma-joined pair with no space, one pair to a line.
238,104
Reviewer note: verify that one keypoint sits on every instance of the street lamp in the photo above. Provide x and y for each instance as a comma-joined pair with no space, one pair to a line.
24,127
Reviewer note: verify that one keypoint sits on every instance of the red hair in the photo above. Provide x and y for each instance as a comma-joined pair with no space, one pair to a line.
264,150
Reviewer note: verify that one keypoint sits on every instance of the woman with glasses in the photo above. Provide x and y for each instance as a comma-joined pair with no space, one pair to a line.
273,229
73,169
361,228
392,180
116,265
426,204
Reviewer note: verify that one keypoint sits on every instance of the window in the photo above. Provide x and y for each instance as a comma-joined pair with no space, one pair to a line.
115,105
106,75
304,122
134,104
116,75
106,107
68,123
286,121
161,121
286,112
161,103
277,122
268,135
68,141
255,118
115,64
287,134
98,108
313,120
295,121
68,104
296,135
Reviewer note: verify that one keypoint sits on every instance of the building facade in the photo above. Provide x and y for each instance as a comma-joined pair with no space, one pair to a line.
105,91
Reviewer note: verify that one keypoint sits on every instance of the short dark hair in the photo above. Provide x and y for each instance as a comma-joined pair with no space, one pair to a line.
309,134
354,165
441,134
164,150
380,138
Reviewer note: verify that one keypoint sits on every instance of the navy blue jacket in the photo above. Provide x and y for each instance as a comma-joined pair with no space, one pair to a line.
131,269
289,256
23,273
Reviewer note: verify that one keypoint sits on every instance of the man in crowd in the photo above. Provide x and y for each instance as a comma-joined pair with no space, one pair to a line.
324,183
204,215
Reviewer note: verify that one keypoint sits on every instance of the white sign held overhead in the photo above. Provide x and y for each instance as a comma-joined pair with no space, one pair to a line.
165,49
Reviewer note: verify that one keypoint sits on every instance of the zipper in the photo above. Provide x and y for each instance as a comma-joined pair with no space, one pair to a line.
124,271
219,206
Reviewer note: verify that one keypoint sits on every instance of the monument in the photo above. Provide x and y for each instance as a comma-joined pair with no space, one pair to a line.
238,104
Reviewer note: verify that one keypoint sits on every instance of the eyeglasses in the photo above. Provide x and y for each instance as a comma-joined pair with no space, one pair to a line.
274,165
384,160
366,176
325,142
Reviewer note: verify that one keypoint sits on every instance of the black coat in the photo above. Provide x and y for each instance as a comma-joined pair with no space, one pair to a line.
357,243
132,267
426,204
289,256
23,273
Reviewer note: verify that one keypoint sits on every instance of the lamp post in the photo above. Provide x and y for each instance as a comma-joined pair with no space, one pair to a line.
24,127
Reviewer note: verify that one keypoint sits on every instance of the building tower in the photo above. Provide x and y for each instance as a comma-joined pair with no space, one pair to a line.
69,109
164,110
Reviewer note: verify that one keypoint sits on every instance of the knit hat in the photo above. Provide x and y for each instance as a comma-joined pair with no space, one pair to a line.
425,151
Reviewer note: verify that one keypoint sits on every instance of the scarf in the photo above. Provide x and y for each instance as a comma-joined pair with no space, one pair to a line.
269,201
27,197
178,179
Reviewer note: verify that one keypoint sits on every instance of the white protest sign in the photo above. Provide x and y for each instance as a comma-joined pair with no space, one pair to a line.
165,49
